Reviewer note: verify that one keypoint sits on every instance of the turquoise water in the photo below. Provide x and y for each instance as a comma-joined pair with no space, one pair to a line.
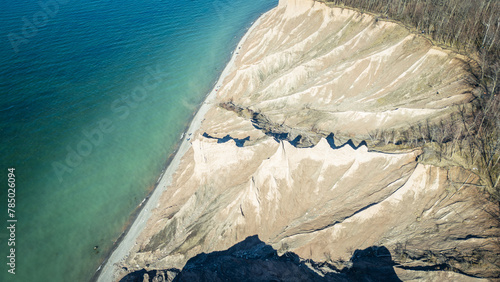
93,101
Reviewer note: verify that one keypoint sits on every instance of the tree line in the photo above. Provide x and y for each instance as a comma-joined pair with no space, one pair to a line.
471,28
459,23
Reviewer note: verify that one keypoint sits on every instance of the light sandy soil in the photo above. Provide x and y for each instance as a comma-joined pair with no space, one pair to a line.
308,66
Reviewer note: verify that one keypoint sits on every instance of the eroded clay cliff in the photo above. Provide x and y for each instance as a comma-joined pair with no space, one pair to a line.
308,71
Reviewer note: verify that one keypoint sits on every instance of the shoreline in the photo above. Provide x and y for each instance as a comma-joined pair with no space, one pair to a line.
135,213
107,270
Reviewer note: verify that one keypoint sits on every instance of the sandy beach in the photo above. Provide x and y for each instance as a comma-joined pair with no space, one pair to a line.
109,270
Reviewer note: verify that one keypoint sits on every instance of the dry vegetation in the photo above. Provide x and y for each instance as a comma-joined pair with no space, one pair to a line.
471,137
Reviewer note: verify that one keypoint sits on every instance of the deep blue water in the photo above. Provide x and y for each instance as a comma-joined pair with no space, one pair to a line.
94,96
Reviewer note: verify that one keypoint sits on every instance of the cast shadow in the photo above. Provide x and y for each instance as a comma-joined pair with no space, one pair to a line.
331,142
254,260
239,142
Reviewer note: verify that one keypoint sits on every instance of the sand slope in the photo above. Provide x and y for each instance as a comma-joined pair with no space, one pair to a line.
332,70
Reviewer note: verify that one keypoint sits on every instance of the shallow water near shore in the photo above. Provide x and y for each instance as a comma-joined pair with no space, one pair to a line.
91,107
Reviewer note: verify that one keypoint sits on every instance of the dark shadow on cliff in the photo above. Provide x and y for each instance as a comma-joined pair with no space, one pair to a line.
372,264
331,142
254,260
239,142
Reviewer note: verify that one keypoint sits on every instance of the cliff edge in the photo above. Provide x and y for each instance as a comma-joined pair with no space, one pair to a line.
280,154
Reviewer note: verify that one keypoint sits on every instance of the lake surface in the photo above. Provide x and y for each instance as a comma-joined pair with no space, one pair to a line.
94,96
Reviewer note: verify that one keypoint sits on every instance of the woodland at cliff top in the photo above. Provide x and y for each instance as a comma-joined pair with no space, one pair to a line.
462,24
473,29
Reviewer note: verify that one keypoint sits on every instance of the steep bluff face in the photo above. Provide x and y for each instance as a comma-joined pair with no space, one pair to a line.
311,68
339,71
